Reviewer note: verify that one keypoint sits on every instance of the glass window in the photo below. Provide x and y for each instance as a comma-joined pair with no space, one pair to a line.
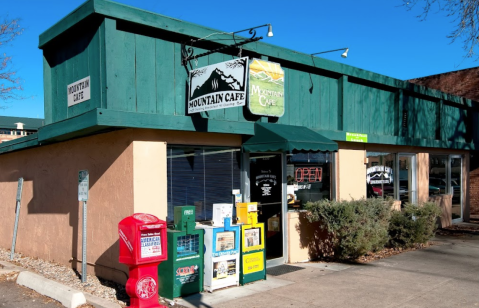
308,178
437,174
407,178
445,174
202,176
380,174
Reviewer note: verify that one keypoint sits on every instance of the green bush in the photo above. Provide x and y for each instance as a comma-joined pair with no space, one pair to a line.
413,225
357,226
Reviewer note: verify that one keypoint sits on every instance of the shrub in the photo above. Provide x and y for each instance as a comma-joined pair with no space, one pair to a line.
356,226
413,225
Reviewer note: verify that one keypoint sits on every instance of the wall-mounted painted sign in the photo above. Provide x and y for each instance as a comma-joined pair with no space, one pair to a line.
218,86
355,137
266,88
79,91
379,175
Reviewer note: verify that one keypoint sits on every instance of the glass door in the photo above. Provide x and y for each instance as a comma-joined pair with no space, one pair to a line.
266,188
406,186
455,188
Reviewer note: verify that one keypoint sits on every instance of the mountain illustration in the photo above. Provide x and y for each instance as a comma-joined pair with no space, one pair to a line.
263,76
217,82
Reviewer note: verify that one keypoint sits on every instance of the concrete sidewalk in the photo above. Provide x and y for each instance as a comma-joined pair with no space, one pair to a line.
444,275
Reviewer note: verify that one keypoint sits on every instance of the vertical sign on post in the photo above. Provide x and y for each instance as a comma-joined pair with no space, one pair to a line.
83,186
17,211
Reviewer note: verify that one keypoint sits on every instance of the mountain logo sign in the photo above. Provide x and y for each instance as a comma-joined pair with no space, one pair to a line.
266,82
218,86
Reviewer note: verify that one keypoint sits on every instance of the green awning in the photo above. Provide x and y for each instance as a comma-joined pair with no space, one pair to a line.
286,138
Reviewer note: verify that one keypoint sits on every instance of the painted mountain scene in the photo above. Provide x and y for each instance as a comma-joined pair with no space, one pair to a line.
266,88
225,76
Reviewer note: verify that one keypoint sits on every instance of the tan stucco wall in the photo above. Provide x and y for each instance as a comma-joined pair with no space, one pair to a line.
306,240
422,177
127,174
296,251
149,178
445,203
351,180
50,218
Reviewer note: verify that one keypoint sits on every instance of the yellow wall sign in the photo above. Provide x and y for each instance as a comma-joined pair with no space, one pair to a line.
253,262
266,88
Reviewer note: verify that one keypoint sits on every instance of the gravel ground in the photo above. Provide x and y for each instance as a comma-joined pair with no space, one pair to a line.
96,286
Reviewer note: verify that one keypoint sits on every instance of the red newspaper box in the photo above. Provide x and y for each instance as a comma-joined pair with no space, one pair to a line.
142,248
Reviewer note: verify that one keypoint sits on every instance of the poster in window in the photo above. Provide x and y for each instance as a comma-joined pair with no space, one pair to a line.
225,241
266,179
252,237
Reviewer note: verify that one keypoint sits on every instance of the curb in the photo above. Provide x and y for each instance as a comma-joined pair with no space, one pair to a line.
67,296
8,268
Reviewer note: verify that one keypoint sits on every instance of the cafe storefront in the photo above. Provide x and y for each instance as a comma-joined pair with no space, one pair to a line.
170,119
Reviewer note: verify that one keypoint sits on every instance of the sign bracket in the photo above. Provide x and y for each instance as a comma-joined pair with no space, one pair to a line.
187,53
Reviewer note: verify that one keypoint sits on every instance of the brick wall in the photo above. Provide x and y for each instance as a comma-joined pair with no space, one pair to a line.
474,191
463,83
474,183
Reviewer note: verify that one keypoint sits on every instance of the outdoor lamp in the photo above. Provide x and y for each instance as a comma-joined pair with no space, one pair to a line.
251,30
344,54
270,30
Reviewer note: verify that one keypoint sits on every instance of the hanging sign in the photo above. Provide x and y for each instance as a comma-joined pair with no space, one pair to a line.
217,86
79,91
266,88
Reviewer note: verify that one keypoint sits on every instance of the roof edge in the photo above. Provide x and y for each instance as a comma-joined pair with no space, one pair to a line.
67,22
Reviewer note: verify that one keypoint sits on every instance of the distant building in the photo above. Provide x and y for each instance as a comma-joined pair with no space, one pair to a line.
15,127
463,83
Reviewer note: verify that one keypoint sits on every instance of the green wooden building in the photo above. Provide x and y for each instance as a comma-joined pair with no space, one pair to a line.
116,103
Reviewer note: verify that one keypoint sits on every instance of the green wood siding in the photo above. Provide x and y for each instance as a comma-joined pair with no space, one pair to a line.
77,56
134,61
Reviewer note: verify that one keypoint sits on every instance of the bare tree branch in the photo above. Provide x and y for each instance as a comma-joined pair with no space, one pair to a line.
465,16
9,83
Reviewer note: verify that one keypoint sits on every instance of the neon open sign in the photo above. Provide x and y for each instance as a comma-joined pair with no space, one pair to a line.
308,174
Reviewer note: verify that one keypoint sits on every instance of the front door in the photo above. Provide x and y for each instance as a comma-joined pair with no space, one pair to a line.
266,188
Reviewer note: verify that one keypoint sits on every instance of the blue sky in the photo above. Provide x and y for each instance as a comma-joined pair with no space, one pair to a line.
382,36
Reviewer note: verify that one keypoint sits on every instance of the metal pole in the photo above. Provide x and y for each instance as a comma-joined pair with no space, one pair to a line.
12,253
83,271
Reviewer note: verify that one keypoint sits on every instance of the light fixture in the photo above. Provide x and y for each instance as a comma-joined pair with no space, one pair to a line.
270,30
188,52
344,54
251,30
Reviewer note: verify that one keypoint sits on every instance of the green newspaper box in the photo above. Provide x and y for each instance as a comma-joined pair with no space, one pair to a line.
182,273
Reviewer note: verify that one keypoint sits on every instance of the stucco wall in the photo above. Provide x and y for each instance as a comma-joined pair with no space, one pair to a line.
127,174
50,218
351,174
306,240
422,177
